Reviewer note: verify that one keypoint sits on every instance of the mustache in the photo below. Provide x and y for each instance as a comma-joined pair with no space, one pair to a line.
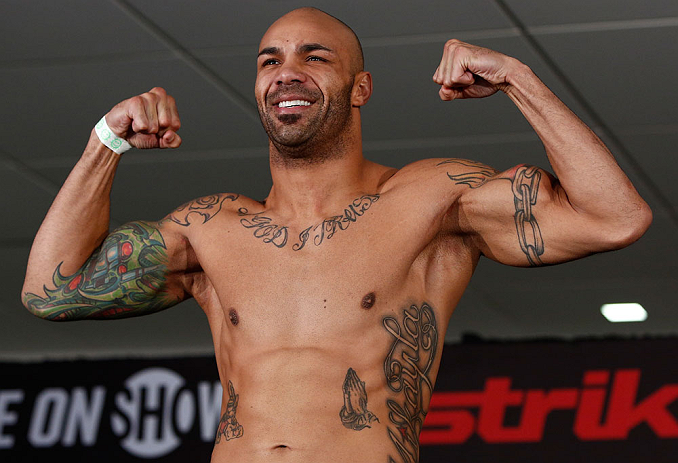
294,88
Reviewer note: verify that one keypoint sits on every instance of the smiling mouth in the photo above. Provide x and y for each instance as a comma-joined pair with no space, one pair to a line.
293,103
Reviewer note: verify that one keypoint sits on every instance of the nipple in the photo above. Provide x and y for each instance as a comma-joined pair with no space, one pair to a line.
233,316
368,301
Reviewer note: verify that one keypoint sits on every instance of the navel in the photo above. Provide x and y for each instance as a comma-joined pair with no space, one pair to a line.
233,316
368,301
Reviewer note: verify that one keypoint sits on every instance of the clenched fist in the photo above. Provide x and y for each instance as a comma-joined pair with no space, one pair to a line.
468,71
149,120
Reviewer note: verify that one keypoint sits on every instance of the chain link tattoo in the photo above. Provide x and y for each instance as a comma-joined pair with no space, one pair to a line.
525,187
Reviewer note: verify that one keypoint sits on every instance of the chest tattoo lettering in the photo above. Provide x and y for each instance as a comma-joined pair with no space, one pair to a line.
408,373
264,229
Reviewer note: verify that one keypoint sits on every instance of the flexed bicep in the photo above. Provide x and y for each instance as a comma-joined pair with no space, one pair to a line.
128,275
522,217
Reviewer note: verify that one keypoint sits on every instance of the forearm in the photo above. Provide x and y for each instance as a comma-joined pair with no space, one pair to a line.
78,220
592,182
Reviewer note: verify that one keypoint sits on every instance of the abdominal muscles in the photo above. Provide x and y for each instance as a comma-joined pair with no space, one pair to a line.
305,404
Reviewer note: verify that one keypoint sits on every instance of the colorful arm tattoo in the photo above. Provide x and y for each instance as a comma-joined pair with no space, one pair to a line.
124,277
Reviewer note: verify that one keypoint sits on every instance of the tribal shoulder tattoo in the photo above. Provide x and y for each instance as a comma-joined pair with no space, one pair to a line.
408,369
268,232
124,277
525,188
473,179
199,210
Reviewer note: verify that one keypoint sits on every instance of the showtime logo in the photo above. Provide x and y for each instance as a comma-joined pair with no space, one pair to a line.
155,410
150,416
598,415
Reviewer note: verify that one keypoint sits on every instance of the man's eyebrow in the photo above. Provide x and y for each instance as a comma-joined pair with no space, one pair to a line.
308,47
269,51
305,48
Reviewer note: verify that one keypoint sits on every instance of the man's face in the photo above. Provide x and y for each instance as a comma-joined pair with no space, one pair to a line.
304,79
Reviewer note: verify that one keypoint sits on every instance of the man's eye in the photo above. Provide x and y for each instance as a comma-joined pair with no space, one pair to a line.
269,62
315,58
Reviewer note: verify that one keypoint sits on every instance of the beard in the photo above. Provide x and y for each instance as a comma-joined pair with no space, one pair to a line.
314,136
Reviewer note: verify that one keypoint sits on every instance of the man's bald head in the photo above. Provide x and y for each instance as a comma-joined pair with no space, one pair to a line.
354,47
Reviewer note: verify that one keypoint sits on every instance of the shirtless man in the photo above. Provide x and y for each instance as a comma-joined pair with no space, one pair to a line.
328,301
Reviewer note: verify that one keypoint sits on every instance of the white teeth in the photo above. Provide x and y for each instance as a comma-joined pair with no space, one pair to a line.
288,104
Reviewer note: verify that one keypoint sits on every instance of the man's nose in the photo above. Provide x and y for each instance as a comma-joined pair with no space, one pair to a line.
289,73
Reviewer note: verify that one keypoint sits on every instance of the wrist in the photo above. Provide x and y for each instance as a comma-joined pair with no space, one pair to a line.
517,78
109,138
97,155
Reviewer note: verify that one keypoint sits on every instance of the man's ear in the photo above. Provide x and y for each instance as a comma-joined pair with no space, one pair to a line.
362,89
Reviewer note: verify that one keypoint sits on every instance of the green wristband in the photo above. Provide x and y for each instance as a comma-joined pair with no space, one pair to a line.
109,139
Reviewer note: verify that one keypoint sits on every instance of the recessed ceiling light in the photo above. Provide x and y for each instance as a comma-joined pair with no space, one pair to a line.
629,312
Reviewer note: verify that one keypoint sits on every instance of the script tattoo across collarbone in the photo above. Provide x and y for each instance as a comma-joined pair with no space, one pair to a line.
407,368
277,235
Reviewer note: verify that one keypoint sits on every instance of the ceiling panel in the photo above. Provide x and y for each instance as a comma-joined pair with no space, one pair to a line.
627,76
584,11
55,31
57,107
220,24
149,191
24,206
658,152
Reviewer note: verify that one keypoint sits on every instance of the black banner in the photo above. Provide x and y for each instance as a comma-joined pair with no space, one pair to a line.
585,401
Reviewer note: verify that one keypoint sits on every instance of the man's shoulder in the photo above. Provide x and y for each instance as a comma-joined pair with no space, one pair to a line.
440,171
205,208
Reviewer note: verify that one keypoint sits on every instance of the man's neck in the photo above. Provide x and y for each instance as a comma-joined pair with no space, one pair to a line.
315,190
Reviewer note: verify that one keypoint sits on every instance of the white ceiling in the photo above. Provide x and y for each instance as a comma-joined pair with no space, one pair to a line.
63,64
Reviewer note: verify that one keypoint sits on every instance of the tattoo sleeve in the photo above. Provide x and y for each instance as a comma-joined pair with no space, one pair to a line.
124,277
408,373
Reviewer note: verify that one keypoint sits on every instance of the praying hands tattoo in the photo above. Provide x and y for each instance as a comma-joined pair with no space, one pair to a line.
354,414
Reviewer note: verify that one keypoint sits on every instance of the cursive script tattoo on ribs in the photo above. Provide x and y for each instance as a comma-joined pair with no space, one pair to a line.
277,235
408,373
